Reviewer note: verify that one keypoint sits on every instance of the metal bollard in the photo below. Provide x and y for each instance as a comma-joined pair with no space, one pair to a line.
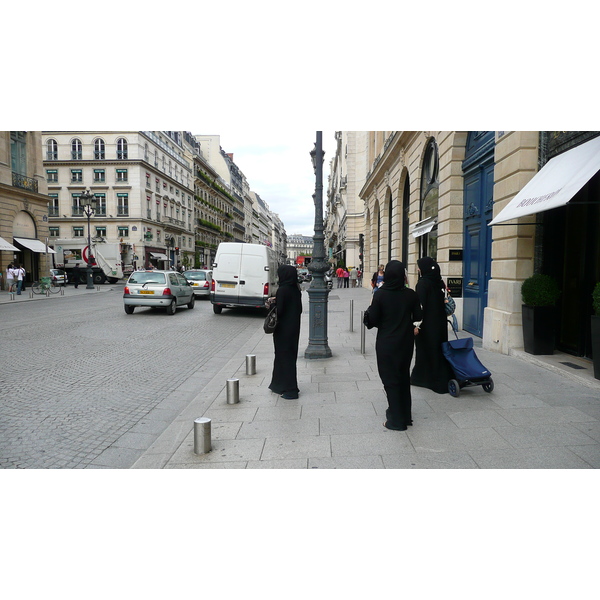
233,391
250,364
12,295
97,288
62,290
363,331
202,441
351,315
30,293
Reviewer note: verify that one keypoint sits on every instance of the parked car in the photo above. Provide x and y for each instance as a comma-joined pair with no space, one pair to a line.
159,289
200,280
58,276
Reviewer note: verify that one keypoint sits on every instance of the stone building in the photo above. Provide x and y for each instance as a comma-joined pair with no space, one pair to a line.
436,192
23,204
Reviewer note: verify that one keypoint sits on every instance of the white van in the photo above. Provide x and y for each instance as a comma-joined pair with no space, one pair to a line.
244,275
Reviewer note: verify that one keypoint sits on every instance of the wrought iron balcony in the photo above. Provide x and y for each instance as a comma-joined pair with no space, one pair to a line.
25,183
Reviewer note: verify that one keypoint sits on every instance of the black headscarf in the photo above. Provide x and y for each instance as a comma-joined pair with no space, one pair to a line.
287,275
394,276
430,270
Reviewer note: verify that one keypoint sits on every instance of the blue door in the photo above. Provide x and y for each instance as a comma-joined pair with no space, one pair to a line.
477,255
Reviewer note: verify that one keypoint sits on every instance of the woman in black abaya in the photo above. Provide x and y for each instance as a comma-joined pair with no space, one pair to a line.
287,334
431,369
393,311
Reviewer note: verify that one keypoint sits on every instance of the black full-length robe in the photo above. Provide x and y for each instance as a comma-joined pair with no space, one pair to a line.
431,369
287,333
393,311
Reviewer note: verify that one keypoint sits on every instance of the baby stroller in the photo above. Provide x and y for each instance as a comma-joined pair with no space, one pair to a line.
468,370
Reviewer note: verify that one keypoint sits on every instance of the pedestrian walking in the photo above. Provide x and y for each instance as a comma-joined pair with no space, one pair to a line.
346,278
377,279
286,336
353,276
394,310
75,275
339,273
10,278
431,369
18,274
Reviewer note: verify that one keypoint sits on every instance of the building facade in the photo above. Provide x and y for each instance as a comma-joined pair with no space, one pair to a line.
435,193
23,205
298,245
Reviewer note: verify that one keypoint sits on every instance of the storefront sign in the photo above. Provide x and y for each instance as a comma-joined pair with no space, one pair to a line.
455,285
455,255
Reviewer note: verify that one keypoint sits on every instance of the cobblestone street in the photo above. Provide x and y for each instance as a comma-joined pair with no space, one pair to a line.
78,374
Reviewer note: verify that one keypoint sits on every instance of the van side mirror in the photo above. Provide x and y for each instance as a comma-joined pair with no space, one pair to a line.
266,268
214,265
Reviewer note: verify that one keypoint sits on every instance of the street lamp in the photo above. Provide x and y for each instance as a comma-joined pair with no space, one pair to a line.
87,201
318,291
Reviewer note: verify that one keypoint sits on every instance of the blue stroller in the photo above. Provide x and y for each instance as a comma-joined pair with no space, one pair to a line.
468,370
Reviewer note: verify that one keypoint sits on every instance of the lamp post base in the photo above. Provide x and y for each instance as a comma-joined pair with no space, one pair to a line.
89,279
317,333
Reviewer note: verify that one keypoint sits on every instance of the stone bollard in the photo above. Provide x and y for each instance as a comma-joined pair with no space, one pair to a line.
233,391
202,432
250,364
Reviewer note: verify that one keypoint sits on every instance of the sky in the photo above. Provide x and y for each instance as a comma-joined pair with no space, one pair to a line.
279,169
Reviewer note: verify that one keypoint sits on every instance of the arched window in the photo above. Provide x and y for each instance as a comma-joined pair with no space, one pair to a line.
121,148
99,149
76,149
51,150
430,183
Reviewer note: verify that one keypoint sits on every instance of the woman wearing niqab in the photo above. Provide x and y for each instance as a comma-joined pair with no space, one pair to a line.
393,311
287,334
431,369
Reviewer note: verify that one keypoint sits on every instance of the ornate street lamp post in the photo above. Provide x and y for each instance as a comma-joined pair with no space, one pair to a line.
318,292
88,203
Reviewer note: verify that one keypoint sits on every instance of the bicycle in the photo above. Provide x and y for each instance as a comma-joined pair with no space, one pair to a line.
45,285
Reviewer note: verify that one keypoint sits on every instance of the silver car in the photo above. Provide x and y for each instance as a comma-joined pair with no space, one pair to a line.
159,289
200,280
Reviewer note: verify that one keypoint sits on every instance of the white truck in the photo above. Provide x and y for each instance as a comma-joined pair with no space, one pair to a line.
110,261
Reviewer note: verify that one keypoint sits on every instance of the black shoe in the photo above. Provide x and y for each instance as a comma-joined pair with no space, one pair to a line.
388,426
289,396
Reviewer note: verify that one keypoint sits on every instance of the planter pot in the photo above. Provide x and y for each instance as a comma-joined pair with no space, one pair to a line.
539,329
596,345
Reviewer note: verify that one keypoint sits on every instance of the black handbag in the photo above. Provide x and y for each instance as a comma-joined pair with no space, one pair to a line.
271,320
366,320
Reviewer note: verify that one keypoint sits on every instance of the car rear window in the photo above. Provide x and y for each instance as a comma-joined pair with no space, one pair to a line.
195,276
142,277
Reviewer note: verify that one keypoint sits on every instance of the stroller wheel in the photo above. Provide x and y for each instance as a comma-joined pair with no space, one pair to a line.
454,388
489,386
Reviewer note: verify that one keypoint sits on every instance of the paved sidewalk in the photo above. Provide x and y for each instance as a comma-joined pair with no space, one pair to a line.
69,290
540,415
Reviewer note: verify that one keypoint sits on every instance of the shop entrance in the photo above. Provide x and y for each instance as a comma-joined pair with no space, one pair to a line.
571,254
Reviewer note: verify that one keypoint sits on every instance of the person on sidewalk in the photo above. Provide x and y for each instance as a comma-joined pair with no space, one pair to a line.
393,310
19,274
75,275
346,278
353,277
339,273
431,369
286,336
10,278
377,279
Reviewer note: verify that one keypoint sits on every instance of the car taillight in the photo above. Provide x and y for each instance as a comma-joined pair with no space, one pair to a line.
266,289
126,290
167,292
206,284
212,287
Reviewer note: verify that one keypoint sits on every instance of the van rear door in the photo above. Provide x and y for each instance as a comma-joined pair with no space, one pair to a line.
253,275
227,276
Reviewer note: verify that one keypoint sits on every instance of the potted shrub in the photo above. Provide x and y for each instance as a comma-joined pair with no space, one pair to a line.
539,293
596,330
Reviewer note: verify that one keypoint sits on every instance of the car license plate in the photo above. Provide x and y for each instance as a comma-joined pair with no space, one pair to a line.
228,285
146,291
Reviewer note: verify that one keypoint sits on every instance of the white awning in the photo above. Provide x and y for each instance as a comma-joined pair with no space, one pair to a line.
556,183
423,227
159,256
34,245
4,245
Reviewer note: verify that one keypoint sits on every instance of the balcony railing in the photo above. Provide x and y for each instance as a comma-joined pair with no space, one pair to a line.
53,211
25,183
122,211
